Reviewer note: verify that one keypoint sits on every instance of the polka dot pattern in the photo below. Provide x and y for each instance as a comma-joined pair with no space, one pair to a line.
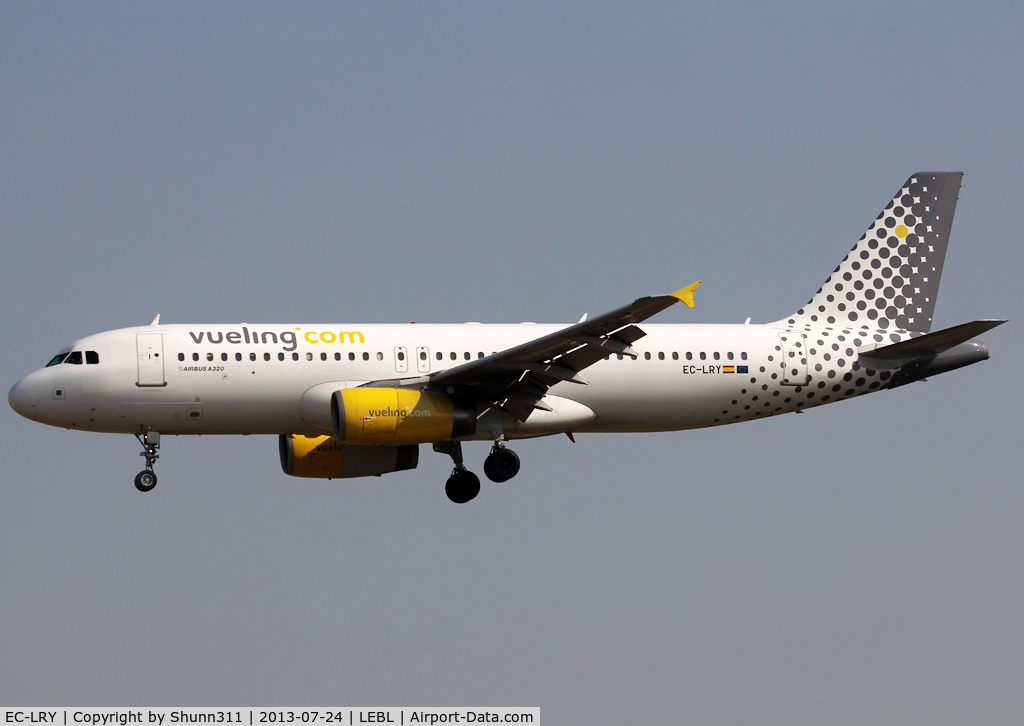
833,373
883,292
891,276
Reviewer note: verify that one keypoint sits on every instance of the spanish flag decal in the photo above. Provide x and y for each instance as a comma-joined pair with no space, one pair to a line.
728,369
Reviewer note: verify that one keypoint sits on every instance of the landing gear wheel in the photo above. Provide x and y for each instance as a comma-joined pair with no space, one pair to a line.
145,480
462,486
501,465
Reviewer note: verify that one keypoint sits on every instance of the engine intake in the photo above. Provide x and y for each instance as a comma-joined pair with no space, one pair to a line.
324,457
398,416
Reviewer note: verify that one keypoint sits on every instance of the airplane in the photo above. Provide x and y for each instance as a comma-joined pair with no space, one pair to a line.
358,400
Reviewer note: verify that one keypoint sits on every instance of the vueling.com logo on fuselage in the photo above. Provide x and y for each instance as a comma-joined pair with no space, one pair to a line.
393,413
289,340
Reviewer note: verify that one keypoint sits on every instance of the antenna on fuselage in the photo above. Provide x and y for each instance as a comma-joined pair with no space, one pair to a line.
156,320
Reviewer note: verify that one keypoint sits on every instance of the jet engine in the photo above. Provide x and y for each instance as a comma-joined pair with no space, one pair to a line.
398,416
324,457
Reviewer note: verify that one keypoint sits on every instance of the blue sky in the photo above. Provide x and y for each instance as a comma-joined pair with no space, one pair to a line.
382,162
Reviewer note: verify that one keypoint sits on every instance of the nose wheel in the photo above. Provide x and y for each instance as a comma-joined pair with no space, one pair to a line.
145,480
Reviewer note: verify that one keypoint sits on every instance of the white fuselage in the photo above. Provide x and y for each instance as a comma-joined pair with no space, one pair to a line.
262,379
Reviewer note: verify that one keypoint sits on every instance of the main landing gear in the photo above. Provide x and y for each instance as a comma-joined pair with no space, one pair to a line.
463,485
501,464
145,480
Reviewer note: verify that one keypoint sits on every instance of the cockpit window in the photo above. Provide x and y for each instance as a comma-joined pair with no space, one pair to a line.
92,357
74,358
57,359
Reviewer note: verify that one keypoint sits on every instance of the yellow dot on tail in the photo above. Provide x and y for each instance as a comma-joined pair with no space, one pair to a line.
901,231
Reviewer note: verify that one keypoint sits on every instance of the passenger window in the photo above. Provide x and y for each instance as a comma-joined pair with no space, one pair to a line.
57,359
309,356
380,356
195,356
238,356
453,355
266,356
619,356
351,356
729,355
661,356
366,356
647,355
295,356
675,356
75,358
181,356
480,354
439,356
717,357
224,356
401,355
689,355
252,356
280,356
466,355
423,355
209,356
743,356
703,355
337,356
323,356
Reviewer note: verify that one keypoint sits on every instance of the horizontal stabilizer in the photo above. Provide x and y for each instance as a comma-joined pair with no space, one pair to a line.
931,343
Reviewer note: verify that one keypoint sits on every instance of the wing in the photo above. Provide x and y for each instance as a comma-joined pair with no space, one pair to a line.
516,379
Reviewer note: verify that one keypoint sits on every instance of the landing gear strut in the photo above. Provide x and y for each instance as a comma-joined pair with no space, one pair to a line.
463,485
501,464
145,480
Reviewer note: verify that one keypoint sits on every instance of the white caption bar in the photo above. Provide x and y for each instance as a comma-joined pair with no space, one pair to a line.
260,716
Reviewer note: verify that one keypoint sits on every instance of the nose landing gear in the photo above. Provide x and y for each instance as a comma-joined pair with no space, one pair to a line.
145,480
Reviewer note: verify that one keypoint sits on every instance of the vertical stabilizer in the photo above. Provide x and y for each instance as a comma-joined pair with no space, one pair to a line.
890,279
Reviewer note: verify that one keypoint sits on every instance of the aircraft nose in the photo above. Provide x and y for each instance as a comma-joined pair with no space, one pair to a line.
23,399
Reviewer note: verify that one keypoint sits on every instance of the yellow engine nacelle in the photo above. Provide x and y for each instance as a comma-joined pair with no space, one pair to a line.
324,457
397,416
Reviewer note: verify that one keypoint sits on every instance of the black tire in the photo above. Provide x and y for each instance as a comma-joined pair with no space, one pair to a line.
501,465
462,486
489,471
145,480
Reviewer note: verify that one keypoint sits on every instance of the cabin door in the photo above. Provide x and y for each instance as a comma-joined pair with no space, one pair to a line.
150,347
